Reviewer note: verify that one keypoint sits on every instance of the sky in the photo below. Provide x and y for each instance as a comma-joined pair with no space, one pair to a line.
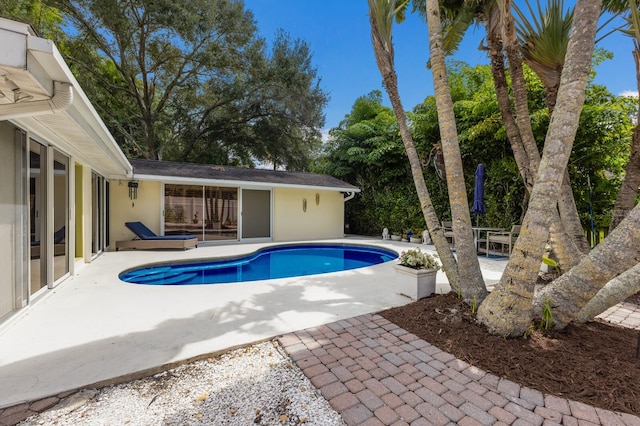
339,37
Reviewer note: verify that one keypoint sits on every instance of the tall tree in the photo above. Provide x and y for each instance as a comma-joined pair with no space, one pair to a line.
472,283
543,42
179,79
507,310
381,16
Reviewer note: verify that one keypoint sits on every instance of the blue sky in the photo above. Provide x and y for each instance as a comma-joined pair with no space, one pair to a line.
338,33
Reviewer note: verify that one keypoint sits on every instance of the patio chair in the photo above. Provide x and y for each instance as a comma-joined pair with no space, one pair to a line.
504,238
58,247
146,239
447,227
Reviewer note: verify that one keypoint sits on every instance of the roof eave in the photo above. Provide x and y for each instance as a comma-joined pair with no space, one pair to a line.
39,61
240,183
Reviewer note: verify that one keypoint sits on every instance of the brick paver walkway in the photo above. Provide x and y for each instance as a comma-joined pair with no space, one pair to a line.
375,373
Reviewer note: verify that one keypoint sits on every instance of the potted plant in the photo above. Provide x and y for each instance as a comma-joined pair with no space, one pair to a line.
416,274
396,235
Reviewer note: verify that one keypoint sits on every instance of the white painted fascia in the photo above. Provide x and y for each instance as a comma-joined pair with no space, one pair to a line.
238,183
21,51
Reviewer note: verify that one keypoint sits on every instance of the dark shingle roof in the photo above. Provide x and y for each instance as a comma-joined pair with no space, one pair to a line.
238,174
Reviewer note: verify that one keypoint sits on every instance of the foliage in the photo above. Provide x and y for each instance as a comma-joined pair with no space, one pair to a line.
366,150
417,259
44,19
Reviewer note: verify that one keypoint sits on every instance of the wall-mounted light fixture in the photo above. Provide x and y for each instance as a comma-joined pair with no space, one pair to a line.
304,204
317,198
133,190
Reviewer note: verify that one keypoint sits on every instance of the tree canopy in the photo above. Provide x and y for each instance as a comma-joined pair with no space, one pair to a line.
366,150
189,81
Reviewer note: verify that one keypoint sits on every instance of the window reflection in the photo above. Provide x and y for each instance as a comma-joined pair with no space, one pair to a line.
210,213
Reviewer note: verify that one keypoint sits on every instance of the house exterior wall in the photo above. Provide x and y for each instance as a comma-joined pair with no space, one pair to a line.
291,223
8,218
145,209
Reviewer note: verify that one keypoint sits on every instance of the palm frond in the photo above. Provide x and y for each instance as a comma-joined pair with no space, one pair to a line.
544,35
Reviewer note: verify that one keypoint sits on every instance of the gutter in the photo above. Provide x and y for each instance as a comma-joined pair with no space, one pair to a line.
61,99
349,196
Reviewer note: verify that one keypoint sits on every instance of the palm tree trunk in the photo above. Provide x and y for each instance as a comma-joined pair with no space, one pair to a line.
616,290
569,216
562,244
472,283
383,49
619,252
507,310
496,57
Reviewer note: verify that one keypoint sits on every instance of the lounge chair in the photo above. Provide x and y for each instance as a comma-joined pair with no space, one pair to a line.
447,227
507,238
58,246
147,239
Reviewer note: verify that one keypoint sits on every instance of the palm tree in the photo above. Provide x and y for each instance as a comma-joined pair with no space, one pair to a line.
381,16
507,309
561,243
473,286
543,44
619,250
497,18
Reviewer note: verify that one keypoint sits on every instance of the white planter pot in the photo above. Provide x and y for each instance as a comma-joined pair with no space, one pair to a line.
415,283
416,240
396,238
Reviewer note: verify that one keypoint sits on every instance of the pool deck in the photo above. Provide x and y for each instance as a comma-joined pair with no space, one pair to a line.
93,328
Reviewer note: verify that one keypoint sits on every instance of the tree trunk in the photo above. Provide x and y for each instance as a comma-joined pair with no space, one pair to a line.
496,57
384,59
520,100
507,310
569,216
567,254
616,290
550,78
471,281
619,252
626,198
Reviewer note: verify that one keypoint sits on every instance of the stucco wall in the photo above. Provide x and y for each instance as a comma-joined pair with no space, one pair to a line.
324,220
145,209
7,218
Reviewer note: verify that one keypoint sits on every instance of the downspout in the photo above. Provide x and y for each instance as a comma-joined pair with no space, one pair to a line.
349,196
61,99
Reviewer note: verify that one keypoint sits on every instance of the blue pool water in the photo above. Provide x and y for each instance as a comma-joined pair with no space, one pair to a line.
268,263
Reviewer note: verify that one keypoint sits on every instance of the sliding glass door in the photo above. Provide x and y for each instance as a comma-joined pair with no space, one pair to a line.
37,191
60,215
221,210
48,215
210,213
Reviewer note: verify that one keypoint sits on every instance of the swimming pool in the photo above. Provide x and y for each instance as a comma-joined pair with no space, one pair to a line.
268,263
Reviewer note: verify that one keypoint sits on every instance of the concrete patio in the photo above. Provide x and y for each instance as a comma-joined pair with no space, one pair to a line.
93,327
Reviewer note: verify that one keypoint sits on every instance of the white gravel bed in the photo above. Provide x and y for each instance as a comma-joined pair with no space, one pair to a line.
257,385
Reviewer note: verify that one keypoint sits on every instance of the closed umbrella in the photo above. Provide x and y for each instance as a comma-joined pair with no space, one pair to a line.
478,193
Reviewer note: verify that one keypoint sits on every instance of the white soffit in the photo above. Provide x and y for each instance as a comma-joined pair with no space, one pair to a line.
33,64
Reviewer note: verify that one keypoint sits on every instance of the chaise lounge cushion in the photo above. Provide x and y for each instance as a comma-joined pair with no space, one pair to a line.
145,233
147,239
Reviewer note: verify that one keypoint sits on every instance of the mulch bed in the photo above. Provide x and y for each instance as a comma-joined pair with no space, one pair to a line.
594,363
